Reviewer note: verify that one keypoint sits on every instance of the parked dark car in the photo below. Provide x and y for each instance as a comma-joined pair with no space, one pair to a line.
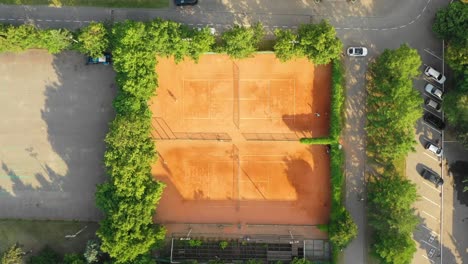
431,176
185,2
105,59
434,121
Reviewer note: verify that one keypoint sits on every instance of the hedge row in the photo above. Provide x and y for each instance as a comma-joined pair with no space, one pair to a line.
341,228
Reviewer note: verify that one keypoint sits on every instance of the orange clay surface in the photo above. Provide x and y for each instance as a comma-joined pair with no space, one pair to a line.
227,136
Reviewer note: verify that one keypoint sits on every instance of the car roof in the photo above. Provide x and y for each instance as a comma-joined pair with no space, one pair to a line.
433,72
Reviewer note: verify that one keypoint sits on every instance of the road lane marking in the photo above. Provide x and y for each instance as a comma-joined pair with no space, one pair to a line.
430,201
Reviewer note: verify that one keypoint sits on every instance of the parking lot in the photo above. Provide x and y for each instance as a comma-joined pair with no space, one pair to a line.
429,207
55,114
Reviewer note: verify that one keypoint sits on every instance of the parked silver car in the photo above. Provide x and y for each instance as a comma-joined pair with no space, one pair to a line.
434,75
434,91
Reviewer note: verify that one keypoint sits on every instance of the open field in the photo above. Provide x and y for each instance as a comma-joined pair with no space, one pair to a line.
34,235
100,3
227,135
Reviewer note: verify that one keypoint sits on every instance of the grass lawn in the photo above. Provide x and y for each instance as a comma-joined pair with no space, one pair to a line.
34,235
101,3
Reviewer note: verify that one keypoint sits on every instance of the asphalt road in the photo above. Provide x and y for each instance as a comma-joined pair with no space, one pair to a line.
377,24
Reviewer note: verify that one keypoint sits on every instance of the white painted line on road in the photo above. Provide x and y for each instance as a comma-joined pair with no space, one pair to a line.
418,16
285,26
39,20
2,19
428,244
430,201
430,230
375,29
11,19
435,218
403,26
431,186
394,28
430,156
411,22
48,20
424,9
67,20
428,258
20,19
77,21
383,29
450,141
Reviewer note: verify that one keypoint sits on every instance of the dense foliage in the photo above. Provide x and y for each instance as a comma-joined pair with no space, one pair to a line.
241,42
452,25
93,39
13,255
46,256
393,106
23,37
390,212
73,258
316,42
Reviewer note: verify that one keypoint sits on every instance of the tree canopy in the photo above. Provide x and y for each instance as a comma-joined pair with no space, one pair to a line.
241,42
393,106
391,215
13,255
287,45
93,39
451,23
319,42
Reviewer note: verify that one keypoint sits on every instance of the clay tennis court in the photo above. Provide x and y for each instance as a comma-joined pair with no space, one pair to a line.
227,136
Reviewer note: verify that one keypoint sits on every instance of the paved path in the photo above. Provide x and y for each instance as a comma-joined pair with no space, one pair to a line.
377,24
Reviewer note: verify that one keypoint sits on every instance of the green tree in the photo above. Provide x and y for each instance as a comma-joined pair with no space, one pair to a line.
287,45
300,261
342,230
456,56
93,39
451,23
391,215
45,256
393,106
241,42
54,40
455,106
223,244
202,42
319,42
92,251
13,255
73,258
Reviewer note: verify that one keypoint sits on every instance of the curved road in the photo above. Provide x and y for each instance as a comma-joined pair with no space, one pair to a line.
377,24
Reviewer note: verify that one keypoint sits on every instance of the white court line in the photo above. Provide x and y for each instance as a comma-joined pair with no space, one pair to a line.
435,218
430,201
430,156
428,244
428,258
431,186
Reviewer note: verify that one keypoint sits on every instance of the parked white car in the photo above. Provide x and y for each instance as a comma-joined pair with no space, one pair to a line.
357,51
434,91
434,75
434,149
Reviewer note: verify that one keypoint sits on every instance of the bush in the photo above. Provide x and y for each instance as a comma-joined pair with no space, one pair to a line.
337,99
317,141
45,256
13,255
223,244
23,37
287,45
73,259
93,39
195,243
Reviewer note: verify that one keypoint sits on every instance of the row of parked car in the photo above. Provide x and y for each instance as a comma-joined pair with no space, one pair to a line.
433,102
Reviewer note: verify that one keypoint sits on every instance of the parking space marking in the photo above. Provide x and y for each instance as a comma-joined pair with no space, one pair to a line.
432,53
431,186
433,217
430,230
428,258
430,156
427,244
430,200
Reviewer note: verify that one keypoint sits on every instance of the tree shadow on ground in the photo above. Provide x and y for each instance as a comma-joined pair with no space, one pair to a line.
66,159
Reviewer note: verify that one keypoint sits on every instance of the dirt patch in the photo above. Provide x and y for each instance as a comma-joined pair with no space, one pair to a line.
227,135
